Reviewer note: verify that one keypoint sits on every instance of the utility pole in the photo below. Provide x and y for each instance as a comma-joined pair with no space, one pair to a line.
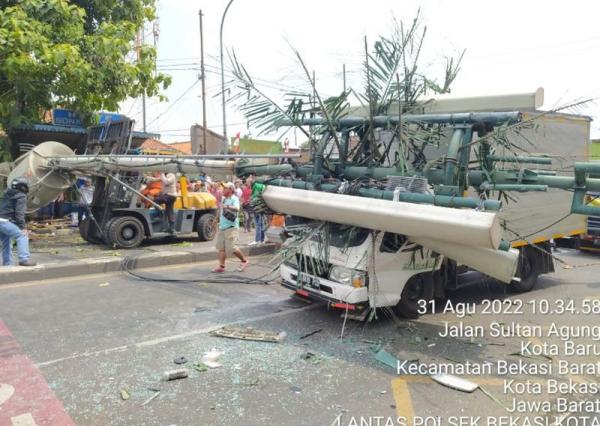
223,77
144,92
344,75
203,77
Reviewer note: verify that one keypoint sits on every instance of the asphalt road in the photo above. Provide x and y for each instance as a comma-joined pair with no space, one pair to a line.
69,347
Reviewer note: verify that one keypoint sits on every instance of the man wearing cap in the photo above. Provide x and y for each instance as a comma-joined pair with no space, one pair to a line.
229,225
13,224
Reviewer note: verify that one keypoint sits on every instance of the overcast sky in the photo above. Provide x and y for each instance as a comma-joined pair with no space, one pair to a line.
511,47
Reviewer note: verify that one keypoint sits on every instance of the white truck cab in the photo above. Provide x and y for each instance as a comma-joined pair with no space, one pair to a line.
355,269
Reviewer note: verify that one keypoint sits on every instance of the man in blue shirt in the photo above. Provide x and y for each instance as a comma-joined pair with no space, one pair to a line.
229,225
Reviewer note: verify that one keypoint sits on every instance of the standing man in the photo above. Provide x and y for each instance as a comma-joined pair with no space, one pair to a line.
259,235
168,197
229,225
86,196
12,222
246,207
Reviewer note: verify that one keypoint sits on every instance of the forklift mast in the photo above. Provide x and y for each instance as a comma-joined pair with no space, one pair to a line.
110,138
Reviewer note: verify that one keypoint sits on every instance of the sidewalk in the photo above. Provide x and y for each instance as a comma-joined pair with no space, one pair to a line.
63,253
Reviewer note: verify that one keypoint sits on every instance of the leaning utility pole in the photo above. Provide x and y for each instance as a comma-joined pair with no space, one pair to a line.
203,78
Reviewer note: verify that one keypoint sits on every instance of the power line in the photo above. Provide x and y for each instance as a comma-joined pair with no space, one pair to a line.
171,105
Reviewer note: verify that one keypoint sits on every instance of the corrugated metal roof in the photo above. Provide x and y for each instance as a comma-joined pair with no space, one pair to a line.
51,128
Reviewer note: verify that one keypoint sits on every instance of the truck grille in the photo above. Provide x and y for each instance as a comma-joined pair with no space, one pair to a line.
593,226
312,266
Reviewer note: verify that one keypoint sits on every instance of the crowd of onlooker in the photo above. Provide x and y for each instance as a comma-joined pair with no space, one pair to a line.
155,184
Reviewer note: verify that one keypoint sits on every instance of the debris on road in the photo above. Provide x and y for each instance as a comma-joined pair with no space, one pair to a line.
455,382
249,333
388,359
182,244
151,398
104,284
124,394
522,355
312,357
304,336
181,373
180,360
211,357
200,367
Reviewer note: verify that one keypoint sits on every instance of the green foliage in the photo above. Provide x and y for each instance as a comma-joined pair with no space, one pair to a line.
72,54
4,151
393,75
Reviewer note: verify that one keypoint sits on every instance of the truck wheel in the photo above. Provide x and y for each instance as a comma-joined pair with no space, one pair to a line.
125,232
528,270
418,287
205,227
85,230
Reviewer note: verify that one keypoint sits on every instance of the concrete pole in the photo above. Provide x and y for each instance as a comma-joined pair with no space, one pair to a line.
203,77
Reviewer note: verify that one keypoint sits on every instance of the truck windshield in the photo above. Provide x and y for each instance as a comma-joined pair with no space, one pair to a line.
341,236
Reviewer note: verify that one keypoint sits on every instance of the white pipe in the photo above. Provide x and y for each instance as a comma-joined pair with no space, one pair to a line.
455,226
501,265
91,163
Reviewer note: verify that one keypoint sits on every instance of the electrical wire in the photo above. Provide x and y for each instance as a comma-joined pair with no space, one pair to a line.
224,279
171,105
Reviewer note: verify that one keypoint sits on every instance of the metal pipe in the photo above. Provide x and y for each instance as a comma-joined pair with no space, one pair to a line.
409,197
451,157
272,170
319,157
492,118
181,157
102,163
520,159
486,186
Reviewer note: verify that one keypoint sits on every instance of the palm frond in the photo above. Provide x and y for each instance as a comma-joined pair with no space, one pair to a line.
259,109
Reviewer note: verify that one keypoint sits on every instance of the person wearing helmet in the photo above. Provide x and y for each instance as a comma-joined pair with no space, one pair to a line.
12,222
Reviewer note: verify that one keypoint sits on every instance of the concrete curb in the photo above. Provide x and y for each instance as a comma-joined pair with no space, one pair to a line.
100,265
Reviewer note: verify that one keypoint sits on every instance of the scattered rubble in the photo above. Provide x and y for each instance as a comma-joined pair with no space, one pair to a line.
151,398
210,358
180,360
249,333
387,358
181,373
124,394
304,336
455,382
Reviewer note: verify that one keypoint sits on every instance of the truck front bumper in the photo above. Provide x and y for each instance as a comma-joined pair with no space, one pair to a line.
321,288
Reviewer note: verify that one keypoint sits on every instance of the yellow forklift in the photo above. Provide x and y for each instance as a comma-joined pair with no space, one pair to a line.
117,217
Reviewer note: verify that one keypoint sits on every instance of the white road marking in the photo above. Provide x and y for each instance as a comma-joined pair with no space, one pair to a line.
153,342
6,392
23,420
